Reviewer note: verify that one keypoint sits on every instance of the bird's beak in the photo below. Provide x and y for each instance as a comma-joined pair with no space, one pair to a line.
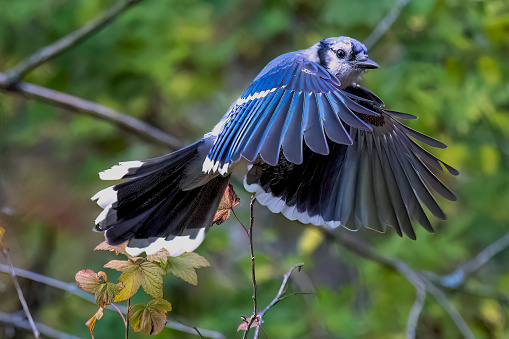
367,64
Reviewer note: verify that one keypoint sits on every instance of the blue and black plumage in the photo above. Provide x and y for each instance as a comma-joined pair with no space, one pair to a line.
321,149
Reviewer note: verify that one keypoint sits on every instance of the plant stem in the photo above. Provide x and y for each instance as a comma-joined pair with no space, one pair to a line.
127,316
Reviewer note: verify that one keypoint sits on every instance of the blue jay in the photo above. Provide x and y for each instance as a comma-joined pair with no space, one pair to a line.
319,148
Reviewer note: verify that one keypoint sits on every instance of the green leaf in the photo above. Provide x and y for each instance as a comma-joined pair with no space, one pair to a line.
160,305
152,279
136,274
151,318
106,294
183,266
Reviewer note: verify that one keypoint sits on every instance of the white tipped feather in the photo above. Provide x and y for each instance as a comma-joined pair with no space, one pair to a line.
175,246
210,166
278,205
103,214
118,171
105,197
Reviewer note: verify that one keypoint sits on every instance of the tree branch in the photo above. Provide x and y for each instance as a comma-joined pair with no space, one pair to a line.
73,289
5,252
253,271
458,277
278,297
78,105
384,24
416,278
46,53
19,321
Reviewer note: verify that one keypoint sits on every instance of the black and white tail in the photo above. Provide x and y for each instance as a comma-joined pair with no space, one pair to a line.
166,203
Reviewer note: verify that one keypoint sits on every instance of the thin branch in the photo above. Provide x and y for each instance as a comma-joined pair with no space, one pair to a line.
19,321
12,272
279,296
450,309
253,271
46,53
78,105
458,277
193,327
73,289
415,311
414,277
384,24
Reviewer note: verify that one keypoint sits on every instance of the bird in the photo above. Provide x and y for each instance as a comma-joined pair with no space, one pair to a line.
314,145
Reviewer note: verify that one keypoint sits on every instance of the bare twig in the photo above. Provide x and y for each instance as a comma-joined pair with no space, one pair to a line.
450,309
279,296
384,24
5,252
46,53
78,105
73,289
253,271
416,278
415,311
458,277
19,321
193,327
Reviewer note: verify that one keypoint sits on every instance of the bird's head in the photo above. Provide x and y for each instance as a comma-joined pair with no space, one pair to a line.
344,57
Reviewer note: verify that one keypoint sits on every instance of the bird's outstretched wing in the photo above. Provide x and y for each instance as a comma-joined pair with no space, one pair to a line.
383,178
293,100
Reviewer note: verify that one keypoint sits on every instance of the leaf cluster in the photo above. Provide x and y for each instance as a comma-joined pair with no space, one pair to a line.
146,272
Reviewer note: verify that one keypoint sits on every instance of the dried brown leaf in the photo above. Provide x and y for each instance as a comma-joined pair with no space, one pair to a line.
228,202
91,322
245,323
117,248
162,254
88,280
120,265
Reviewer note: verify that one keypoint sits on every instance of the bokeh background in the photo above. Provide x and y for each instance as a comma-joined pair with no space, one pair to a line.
178,65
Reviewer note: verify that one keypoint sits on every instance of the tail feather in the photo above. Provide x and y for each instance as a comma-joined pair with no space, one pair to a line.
152,211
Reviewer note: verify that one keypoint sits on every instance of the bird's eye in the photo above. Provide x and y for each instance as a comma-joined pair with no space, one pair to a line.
341,53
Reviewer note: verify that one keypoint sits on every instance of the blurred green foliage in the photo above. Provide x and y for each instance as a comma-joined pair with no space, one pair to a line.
178,65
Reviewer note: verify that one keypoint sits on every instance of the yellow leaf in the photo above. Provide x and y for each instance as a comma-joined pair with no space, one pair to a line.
131,279
91,322
310,239
140,273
